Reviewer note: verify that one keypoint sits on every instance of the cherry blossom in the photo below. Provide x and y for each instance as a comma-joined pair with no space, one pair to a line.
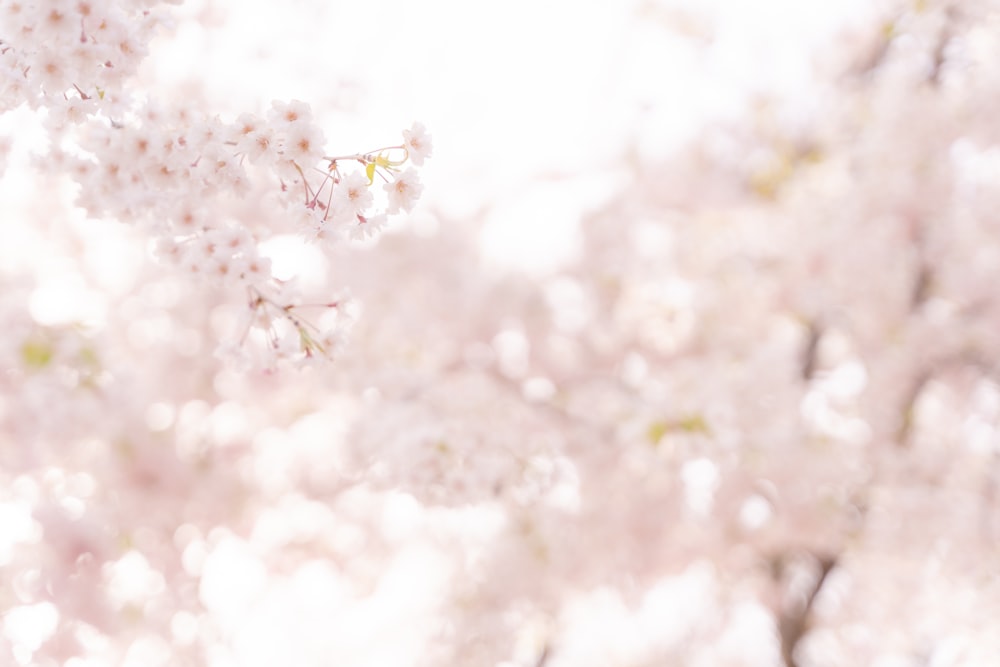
418,143
403,191
752,421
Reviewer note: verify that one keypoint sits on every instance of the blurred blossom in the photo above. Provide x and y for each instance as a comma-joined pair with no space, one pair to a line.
645,332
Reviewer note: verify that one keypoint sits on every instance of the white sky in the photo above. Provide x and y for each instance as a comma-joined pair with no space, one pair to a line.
530,102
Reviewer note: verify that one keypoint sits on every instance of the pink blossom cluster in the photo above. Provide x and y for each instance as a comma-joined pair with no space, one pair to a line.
207,192
753,422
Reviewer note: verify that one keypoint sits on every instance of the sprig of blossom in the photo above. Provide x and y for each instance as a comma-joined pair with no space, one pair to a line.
277,328
208,192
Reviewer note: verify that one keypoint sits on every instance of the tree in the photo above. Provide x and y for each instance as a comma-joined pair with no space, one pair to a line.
753,422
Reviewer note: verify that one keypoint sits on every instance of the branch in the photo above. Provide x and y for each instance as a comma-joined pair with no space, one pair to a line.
793,623
811,351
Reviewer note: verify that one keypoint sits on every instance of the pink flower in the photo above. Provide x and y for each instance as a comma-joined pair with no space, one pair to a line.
418,143
352,195
303,144
290,113
404,191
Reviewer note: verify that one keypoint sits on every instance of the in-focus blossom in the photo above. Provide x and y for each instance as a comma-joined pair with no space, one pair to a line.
404,190
353,195
418,143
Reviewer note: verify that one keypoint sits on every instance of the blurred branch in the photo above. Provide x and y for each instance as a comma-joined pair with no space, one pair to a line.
939,55
793,623
809,355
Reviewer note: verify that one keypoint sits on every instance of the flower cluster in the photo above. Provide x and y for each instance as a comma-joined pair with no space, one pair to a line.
77,55
209,193
770,354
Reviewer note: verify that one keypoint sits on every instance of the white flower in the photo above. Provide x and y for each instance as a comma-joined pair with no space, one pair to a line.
303,144
404,191
262,147
254,138
244,126
223,268
233,240
418,143
352,195
285,114
366,228
254,269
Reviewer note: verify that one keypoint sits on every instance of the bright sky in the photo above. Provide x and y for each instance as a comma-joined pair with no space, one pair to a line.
530,103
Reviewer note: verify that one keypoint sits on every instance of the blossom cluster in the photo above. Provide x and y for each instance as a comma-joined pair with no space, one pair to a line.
207,192
765,387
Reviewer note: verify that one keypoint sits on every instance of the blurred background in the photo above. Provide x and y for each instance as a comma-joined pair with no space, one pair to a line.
687,356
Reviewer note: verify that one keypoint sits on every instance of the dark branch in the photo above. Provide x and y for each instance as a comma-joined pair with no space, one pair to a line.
793,623
809,354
